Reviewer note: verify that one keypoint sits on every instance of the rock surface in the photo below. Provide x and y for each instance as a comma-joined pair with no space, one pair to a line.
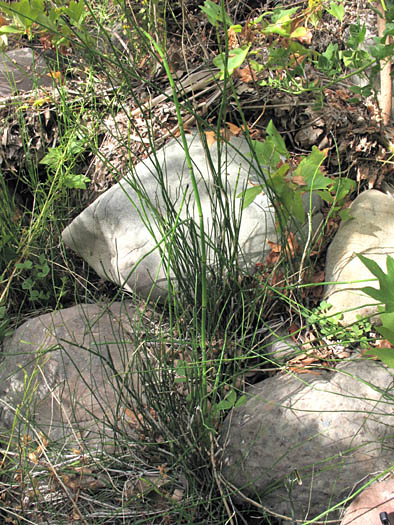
332,428
371,233
22,70
113,235
366,507
71,364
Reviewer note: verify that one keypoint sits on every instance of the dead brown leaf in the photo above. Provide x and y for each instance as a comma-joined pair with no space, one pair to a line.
211,138
383,343
245,74
299,180
234,130
232,38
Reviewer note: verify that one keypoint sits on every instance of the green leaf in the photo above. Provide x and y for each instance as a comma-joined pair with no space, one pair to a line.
337,10
241,401
74,181
76,11
11,30
215,14
43,271
27,284
228,402
27,265
385,294
277,139
235,59
309,169
386,355
249,195
299,32
345,215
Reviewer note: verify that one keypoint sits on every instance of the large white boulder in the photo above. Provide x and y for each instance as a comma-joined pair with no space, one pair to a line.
119,236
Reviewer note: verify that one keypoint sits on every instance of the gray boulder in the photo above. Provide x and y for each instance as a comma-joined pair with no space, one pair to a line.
369,232
22,70
63,373
303,443
119,236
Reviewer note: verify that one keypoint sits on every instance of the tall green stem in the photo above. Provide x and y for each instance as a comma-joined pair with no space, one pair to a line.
201,223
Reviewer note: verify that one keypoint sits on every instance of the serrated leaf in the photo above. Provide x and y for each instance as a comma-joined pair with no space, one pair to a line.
309,169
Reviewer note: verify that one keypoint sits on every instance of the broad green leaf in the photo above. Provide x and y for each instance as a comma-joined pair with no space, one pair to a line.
266,153
386,355
74,181
235,59
241,401
11,30
309,169
27,284
284,15
342,187
43,271
345,215
76,11
249,195
337,10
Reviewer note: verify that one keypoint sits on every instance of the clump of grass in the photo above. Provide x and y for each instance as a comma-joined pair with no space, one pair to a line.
193,362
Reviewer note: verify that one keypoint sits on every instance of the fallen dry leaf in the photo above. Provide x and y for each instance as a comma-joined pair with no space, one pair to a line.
232,38
383,343
299,180
245,74
211,138
235,130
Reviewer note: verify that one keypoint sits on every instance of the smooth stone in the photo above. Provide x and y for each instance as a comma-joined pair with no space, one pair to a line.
370,232
113,235
62,373
22,70
333,429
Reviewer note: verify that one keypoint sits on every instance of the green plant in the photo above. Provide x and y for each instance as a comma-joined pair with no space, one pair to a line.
57,24
288,184
384,295
33,277
62,159
284,34
329,326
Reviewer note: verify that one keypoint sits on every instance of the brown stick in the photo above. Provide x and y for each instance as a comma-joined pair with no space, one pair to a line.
385,73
